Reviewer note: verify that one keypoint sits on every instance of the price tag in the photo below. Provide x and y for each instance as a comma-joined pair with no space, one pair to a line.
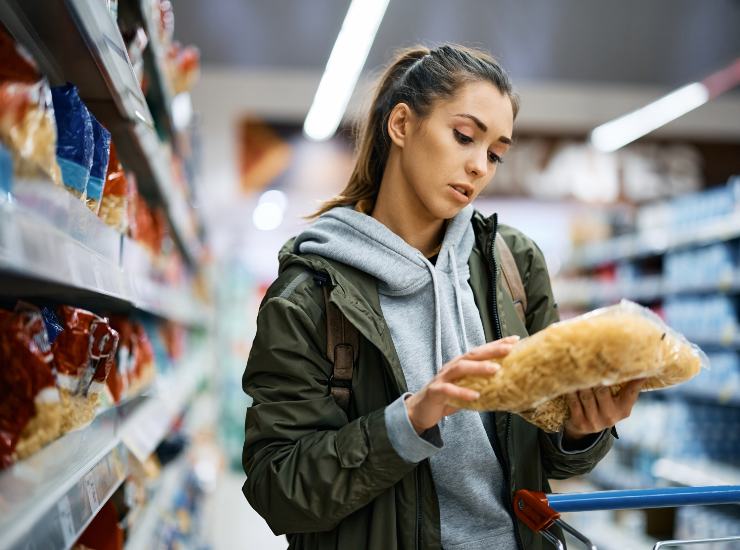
64,512
92,492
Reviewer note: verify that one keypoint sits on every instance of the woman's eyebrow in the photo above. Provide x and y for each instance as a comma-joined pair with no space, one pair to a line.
479,123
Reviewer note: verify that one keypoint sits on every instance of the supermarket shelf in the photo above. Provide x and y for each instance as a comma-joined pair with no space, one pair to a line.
52,247
78,41
144,532
653,243
137,13
727,395
152,421
49,498
584,292
695,472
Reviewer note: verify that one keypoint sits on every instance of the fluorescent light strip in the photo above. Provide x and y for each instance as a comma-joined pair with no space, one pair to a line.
343,68
626,129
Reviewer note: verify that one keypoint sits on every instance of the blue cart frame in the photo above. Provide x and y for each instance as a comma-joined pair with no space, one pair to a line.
540,511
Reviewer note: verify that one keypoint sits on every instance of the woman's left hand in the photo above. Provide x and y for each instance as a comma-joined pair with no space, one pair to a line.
596,409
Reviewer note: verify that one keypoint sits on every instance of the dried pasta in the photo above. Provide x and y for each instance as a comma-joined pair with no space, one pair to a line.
606,347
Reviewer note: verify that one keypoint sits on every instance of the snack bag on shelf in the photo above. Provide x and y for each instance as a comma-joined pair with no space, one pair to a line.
606,347
6,170
183,64
83,355
27,127
113,206
29,401
75,143
145,366
101,152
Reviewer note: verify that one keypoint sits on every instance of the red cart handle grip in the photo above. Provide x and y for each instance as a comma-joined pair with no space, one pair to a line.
532,508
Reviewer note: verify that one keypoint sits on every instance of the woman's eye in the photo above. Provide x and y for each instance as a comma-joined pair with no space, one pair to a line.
462,138
494,158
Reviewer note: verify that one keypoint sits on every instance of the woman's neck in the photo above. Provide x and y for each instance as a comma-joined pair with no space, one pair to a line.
398,208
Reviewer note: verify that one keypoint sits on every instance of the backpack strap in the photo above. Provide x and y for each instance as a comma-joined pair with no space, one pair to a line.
342,348
512,278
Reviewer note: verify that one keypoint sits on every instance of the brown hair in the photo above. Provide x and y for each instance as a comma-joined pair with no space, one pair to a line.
417,76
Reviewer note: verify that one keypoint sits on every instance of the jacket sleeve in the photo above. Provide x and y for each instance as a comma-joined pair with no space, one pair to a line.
307,467
541,312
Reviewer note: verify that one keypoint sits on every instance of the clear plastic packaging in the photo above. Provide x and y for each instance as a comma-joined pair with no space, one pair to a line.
101,153
606,347
29,401
114,204
75,144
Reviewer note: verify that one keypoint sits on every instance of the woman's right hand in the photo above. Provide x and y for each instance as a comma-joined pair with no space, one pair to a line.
430,404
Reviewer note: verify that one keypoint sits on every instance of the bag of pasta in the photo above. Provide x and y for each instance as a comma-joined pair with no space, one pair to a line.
606,347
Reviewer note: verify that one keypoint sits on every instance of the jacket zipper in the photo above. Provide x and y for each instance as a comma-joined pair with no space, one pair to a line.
499,450
418,508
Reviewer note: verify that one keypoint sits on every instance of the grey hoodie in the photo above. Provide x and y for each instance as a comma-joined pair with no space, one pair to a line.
431,313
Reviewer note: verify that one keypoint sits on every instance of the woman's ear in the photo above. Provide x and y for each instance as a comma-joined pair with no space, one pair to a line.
399,123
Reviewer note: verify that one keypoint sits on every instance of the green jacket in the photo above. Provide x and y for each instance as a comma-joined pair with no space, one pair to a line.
330,481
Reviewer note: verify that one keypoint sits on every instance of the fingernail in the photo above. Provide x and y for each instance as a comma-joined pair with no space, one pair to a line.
476,395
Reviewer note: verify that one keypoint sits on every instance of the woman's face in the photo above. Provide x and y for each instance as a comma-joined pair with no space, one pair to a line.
450,156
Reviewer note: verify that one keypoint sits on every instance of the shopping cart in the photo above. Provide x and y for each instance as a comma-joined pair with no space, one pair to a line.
540,511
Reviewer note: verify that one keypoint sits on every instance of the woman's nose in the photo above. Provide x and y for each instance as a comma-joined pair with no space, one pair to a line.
477,164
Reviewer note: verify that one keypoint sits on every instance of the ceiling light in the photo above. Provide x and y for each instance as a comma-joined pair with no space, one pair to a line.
274,196
626,129
343,68
267,216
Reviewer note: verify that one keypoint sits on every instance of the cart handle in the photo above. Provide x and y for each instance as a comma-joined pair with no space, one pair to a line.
539,511
664,497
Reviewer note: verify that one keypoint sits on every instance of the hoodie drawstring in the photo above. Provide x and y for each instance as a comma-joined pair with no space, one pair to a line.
458,300
437,318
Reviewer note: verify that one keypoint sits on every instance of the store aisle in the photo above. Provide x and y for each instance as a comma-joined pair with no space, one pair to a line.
230,522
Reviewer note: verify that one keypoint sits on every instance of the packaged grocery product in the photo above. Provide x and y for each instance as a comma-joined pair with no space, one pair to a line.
606,347
113,206
29,402
184,67
6,170
75,144
145,366
122,372
101,152
104,532
27,128
83,356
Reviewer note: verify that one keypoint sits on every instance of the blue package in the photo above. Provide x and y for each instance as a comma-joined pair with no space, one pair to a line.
6,170
53,326
101,153
74,137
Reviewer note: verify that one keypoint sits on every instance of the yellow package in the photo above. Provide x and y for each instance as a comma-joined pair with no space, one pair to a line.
606,347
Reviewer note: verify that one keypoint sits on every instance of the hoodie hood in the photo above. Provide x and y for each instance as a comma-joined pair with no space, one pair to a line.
435,294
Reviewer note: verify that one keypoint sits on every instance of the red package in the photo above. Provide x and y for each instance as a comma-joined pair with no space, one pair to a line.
104,533
26,377
173,336
145,356
121,374
83,351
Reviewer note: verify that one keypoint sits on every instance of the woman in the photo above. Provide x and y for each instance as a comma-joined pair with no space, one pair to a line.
410,264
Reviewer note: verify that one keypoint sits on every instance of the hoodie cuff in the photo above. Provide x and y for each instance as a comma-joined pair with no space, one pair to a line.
410,446
582,446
